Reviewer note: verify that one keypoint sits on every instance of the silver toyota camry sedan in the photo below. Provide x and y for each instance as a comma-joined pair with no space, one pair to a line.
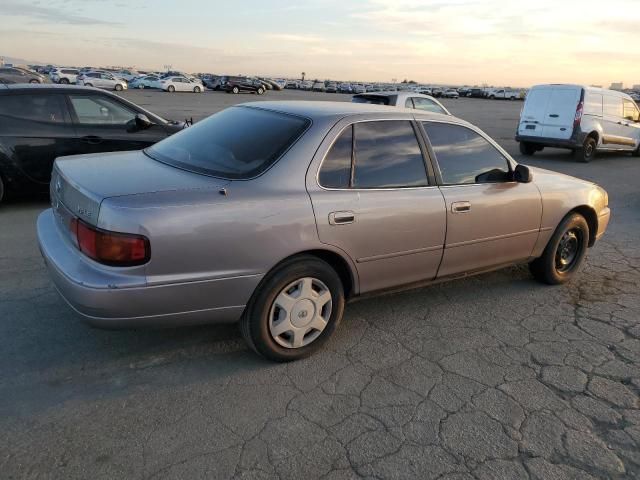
273,214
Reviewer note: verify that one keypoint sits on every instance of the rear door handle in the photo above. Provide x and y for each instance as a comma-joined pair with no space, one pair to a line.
92,139
460,207
341,218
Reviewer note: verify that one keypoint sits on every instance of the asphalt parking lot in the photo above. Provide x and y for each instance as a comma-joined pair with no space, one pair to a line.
491,377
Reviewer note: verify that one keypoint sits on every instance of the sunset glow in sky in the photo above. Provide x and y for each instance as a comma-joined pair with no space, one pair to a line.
500,42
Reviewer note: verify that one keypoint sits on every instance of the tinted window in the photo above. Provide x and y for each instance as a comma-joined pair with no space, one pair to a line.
101,110
612,106
387,154
427,105
37,107
464,156
593,104
374,99
336,168
93,75
237,143
630,111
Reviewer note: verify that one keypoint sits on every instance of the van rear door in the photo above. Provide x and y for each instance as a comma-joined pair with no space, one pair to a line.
532,116
561,111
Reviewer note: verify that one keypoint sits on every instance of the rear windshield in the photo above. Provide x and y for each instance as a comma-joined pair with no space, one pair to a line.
374,99
237,143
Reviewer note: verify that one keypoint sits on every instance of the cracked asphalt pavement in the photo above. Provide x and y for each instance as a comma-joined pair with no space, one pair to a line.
491,377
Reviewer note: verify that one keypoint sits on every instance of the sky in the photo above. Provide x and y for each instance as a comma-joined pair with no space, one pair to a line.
456,42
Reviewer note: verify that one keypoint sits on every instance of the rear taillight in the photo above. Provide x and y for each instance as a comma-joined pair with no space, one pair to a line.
578,118
111,248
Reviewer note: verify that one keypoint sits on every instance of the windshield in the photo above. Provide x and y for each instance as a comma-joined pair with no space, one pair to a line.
237,143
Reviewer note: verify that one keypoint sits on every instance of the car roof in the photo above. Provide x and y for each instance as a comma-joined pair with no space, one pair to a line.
317,110
48,87
586,87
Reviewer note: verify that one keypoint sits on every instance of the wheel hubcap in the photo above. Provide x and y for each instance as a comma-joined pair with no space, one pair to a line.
568,250
300,313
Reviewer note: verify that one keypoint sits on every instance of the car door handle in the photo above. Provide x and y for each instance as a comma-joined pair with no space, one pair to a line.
341,218
92,139
460,207
554,115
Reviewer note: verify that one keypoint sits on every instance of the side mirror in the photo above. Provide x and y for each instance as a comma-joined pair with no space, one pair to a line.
140,122
522,174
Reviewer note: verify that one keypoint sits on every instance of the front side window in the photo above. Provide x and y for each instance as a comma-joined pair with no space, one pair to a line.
464,156
631,111
237,143
48,108
100,110
387,155
427,105
336,167
612,106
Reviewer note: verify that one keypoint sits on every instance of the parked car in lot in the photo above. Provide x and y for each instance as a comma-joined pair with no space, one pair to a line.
292,84
191,229
9,75
101,79
450,93
345,88
41,122
584,119
504,94
243,85
332,87
318,87
402,99
180,84
148,81
64,75
477,93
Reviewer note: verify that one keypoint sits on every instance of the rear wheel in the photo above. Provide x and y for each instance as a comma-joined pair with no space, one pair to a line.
527,149
588,150
295,310
235,90
33,81
118,87
171,89
565,252
260,91
196,89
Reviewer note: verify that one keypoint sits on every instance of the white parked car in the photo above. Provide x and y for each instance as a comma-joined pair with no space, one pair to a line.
102,80
450,93
180,84
148,81
358,88
127,75
504,94
64,75
580,118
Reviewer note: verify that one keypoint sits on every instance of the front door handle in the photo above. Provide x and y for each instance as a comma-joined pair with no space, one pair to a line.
341,218
92,139
460,207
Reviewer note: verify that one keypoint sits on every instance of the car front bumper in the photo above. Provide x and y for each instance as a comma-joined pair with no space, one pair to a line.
106,298
603,222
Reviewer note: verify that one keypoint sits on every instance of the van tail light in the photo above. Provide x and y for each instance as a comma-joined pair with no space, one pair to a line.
578,117
111,248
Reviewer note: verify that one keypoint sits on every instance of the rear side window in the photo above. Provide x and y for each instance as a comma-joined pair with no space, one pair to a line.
612,106
47,108
237,143
593,104
336,168
387,155
465,157
427,105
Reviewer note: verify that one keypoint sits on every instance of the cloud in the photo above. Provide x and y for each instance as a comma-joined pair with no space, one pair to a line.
49,15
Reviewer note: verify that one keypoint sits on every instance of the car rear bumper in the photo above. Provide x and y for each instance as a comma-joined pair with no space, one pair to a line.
98,295
576,141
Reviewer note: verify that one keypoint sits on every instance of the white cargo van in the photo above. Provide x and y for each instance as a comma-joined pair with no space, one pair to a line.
583,119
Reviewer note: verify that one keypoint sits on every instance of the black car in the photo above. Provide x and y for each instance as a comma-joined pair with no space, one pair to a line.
243,84
39,123
477,93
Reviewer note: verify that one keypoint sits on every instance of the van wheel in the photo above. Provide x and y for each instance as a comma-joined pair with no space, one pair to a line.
294,310
527,149
588,150
565,252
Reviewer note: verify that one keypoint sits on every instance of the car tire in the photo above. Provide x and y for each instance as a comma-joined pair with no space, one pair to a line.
313,279
88,85
235,90
587,152
492,97
118,87
527,149
636,152
196,90
33,80
171,89
512,98
64,81
141,87
564,254
260,91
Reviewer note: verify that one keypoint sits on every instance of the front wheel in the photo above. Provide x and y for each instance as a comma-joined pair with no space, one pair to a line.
588,150
196,90
527,149
235,90
565,252
118,87
260,91
171,89
64,81
295,310
33,81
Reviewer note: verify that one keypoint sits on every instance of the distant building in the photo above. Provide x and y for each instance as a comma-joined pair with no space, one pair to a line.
616,86
636,87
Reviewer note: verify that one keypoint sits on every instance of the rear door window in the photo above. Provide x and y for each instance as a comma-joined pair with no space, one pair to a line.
236,143
46,108
464,156
336,167
387,155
